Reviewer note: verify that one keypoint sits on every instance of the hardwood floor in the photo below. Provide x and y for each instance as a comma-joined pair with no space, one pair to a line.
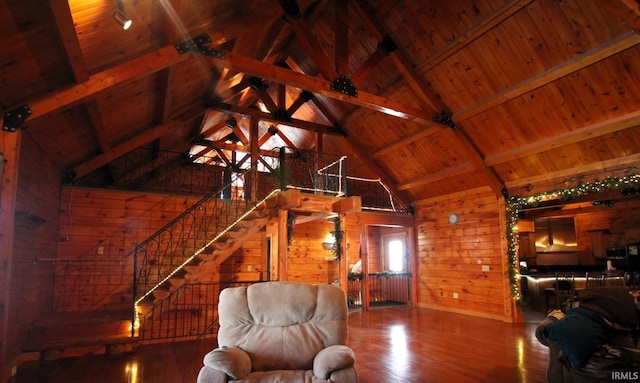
395,344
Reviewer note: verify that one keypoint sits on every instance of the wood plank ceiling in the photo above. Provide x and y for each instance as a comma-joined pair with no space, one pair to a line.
432,97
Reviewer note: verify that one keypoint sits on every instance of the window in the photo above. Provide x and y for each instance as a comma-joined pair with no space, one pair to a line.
395,254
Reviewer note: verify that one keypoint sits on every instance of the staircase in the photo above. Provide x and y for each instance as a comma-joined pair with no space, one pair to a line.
182,304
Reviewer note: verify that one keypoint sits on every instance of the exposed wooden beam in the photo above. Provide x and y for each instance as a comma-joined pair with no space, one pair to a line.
140,67
432,178
595,170
367,67
469,36
612,125
261,91
124,148
255,113
627,11
404,141
419,86
66,33
341,37
286,140
613,47
312,46
93,110
317,85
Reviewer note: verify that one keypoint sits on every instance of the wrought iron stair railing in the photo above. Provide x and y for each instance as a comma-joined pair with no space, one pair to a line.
175,244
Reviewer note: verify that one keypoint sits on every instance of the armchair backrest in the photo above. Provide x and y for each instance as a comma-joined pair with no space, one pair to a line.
282,325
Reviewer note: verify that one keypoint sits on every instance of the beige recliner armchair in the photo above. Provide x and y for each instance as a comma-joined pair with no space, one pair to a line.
281,332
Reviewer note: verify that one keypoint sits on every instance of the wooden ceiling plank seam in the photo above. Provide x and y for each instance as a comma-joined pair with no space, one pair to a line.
341,37
604,51
317,85
436,177
469,36
137,68
562,175
599,129
68,38
312,47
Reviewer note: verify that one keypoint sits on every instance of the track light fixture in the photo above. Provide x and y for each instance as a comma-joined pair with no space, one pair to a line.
120,17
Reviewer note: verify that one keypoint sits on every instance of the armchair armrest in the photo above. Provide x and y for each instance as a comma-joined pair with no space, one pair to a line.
233,361
331,359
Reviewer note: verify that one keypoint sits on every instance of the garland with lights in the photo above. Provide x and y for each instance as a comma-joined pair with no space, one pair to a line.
625,185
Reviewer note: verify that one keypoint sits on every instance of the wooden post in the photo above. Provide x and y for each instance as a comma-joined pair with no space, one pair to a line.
342,262
282,245
255,153
364,245
10,157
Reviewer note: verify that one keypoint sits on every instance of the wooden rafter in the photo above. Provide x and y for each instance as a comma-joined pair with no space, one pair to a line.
66,33
93,110
341,37
627,11
613,47
316,85
420,88
301,124
139,67
312,47
613,125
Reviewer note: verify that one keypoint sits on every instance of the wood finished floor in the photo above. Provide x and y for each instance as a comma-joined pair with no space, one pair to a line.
396,344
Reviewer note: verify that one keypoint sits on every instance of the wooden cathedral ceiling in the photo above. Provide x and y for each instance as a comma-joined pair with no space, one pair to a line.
433,97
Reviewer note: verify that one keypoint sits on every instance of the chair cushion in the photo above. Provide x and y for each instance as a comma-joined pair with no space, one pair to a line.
231,360
331,359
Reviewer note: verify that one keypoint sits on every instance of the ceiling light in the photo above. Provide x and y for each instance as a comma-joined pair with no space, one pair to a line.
120,17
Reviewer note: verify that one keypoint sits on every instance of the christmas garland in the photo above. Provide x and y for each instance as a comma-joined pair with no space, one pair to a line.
625,185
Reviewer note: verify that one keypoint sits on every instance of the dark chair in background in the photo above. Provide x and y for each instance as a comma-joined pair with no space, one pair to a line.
563,289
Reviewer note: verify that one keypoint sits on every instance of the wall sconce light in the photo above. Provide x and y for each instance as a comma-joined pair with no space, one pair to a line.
328,245
120,17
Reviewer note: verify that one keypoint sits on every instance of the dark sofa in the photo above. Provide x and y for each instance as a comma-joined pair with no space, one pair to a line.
593,338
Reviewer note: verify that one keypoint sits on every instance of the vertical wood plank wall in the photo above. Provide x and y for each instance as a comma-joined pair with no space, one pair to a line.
98,230
450,256
35,237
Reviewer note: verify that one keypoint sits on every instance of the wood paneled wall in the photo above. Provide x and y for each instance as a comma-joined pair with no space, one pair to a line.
35,236
451,257
98,231
308,261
